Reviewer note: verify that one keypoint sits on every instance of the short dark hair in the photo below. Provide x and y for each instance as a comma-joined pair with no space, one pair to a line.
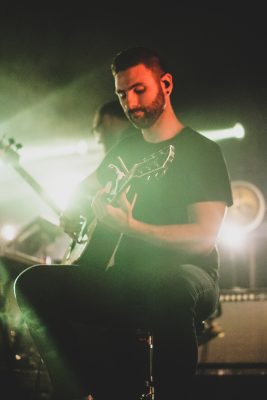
113,108
132,56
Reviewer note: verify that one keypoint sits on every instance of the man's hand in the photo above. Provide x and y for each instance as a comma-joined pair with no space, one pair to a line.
118,216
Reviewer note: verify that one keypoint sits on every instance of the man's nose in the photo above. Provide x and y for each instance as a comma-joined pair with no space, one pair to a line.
131,101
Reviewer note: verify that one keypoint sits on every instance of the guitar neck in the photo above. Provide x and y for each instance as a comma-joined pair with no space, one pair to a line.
37,188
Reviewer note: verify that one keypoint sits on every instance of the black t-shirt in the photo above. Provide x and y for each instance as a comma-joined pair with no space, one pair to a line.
196,173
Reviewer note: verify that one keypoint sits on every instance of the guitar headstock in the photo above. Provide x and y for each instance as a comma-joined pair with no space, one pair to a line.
156,164
9,150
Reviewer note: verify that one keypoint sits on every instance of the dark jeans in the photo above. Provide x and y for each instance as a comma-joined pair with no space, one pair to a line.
84,322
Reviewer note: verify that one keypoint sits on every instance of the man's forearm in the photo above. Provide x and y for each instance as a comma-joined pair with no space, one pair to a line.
187,238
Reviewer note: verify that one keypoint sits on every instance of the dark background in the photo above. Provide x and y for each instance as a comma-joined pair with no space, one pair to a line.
217,56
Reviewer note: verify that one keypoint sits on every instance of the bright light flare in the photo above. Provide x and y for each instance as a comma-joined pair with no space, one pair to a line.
38,152
237,132
232,236
8,232
60,191
82,147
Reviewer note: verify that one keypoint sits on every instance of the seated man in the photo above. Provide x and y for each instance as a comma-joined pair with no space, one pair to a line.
163,194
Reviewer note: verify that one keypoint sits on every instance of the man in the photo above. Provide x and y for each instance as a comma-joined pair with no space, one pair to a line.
163,195
110,124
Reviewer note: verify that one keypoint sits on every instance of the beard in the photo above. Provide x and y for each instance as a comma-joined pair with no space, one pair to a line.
145,117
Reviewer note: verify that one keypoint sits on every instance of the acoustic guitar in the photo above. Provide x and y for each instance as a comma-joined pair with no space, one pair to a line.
94,243
92,234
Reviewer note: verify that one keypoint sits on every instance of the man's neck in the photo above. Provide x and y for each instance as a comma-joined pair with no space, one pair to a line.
164,129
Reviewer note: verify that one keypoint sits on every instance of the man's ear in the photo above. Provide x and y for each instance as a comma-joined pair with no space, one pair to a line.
166,83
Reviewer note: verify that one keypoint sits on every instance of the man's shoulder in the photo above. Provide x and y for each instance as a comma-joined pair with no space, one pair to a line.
193,138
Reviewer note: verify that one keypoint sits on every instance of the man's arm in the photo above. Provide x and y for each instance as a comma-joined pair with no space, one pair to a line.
199,236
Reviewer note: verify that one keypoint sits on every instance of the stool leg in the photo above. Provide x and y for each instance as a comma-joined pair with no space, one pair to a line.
149,382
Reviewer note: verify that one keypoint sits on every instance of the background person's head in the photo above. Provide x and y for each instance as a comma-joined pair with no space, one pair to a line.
110,124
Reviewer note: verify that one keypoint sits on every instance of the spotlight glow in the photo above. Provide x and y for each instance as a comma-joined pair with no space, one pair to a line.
232,235
60,191
8,232
237,132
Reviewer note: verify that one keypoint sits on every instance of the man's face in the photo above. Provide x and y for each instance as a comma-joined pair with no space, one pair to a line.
141,95
107,130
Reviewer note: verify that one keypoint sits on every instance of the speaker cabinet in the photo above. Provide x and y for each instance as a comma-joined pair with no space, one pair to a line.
243,325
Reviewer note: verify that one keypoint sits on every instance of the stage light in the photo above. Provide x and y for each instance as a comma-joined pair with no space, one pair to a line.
237,132
48,260
82,147
8,232
232,235
46,151
59,188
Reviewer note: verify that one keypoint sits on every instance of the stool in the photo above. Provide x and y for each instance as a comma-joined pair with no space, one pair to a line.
145,336
201,327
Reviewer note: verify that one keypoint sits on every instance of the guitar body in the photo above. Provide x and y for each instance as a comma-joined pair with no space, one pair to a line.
96,248
78,247
98,244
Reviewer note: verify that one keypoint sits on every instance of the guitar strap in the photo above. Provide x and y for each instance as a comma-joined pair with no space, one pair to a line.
112,258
